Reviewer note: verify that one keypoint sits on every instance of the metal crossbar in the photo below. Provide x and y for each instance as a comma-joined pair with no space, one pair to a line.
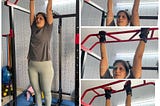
116,39
97,94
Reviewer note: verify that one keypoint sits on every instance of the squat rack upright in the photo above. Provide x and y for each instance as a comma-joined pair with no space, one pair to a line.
13,6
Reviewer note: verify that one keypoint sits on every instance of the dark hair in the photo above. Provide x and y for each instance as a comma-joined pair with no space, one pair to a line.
124,63
126,12
43,14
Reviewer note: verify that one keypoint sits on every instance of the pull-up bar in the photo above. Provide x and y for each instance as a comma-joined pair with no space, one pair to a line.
116,39
8,3
14,2
95,5
97,94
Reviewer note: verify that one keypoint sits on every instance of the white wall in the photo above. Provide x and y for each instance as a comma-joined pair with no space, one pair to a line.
92,17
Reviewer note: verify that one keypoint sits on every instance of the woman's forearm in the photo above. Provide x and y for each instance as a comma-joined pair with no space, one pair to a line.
110,5
32,11
135,6
135,14
49,12
49,6
110,16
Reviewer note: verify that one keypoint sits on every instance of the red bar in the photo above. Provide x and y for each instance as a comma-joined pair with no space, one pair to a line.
113,91
88,38
134,35
102,86
77,39
113,37
11,33
152,33
8,3
155,38
110,34
14,2
84,104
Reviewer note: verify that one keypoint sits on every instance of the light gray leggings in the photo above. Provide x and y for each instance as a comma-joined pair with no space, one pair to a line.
41,76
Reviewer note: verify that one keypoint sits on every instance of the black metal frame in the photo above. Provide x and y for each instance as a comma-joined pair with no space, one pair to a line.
13,55
77,55
11,9
13,59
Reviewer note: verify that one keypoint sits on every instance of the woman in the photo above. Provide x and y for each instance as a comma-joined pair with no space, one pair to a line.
121,68
39,58
123,18
128,89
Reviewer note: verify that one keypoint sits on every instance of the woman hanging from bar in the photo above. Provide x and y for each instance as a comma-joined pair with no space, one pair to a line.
121,68
128,89
123,17
40,67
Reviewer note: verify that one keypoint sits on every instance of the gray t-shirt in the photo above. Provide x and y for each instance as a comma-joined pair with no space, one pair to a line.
39,48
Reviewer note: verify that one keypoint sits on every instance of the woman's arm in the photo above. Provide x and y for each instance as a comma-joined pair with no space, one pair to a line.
104,57
110,15
135,15
137,62
104,60
49,12
32,10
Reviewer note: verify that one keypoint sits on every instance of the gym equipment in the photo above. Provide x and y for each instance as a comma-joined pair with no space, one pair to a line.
115,39
6,75
98,94
13,6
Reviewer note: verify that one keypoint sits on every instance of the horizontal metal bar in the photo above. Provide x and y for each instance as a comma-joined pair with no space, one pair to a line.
7,3
118,32
5,35
145,17
114,41
149,68
148,17
65,93
90,53
113,91
14,2
94,5
64,16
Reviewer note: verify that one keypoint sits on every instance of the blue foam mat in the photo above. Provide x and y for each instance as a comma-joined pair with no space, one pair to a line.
22,101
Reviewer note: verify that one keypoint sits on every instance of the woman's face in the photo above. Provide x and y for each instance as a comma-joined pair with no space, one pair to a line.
122,19
40,21
119,71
